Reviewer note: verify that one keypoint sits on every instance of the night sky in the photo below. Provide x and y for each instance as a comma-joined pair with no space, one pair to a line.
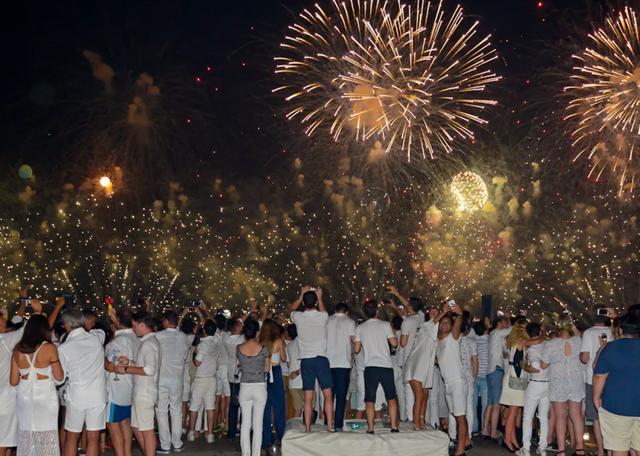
225,49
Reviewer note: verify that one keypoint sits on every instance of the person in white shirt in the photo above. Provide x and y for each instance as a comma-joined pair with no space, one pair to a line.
312,340
415,318
536,396
469,357
175,346
592,340
188,327
223,388
455,384
146,374
375,336
341,331
120,387
8,414
82,359
230,344
495,370
203,390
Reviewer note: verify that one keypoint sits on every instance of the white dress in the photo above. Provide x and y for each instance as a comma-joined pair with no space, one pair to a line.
420,364
37,406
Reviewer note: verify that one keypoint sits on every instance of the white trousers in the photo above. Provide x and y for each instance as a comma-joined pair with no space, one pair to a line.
433,404
453,425
402,403
169,399
252,398
536,397
409,401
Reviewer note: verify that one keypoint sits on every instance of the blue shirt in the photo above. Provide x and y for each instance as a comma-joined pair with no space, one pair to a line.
621,360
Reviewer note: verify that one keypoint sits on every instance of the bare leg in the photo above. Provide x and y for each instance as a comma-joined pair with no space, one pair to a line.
71,443
598,434
575,411
371,413
393,413
127,433
463,434
150,442
510,428
93,443
328,407
193,417
423,407
185,414
495,420
117,438
308,409
359,414
417,389
560,409
297,413
210,418
552,425
485,420
62,435
139,439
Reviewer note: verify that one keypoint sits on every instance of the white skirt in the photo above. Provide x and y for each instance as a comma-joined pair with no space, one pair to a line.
8,421
37,407
421,363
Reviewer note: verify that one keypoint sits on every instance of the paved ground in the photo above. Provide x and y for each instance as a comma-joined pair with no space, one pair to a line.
224,448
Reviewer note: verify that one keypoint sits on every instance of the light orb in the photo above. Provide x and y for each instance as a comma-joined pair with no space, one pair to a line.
105,181
469,191
25,172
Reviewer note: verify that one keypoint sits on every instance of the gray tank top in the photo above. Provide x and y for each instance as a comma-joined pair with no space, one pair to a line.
252,367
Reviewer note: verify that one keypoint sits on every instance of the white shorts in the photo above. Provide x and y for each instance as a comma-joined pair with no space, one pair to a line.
380,398
203,390
222,380
142,414
619,433
9,424
95,418
456,396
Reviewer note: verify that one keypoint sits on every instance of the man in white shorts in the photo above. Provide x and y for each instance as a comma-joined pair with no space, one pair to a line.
120,387
82,359
146,373
175,346
204,387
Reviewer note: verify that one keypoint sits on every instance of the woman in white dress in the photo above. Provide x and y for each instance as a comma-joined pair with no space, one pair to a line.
420,365
34,365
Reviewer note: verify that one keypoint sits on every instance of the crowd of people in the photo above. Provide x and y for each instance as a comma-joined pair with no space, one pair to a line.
68,377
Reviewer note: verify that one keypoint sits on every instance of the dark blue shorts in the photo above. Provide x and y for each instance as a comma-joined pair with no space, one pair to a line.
118,413
315,368
374,376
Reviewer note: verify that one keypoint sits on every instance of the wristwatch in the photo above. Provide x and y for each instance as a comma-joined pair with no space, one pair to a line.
126,369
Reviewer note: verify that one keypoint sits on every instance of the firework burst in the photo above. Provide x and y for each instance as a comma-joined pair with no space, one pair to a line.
411,77
605,106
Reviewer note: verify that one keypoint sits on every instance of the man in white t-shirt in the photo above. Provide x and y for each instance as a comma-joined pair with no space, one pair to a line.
146,375
204,387
312,340
341,331
592,341
375,336
82,359
175,350
120,387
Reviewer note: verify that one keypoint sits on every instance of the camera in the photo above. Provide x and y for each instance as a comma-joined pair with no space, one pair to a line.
604,337
195,303
602,312
27,301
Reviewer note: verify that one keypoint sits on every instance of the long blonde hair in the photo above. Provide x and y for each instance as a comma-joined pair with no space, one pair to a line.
518,333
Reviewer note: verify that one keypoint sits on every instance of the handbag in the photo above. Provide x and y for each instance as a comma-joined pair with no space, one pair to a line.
235,392
518,383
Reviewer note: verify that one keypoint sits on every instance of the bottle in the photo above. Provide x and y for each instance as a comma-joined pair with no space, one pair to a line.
355,426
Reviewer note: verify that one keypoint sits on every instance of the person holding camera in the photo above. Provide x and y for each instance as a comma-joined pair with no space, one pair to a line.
312,340
592,340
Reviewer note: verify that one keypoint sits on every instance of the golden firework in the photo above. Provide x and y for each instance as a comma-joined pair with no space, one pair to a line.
405,75
605,108
469,191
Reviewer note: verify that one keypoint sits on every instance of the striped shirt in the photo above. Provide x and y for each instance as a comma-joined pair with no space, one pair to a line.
482,346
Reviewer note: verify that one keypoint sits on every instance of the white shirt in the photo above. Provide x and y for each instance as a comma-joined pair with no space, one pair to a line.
150,359
340,330
124,343
223,357
293,356
8,341
175,349
82,359
468,350
312,332
449,360
534,356
591,344
409,328
496,348
230,344
207,353
374,336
